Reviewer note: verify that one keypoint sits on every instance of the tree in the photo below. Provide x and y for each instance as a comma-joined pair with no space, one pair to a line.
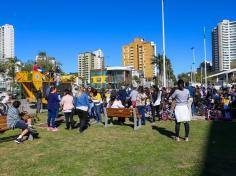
28,66
3,68
42,54
12,64
185,77
44,61
158,61
136,79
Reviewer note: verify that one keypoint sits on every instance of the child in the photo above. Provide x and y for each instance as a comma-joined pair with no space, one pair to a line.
226,108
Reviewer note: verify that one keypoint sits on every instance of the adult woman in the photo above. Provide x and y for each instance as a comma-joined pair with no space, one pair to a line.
182,113
53,105
67,107
82,106
140,104
155,102
91,104
114,102
97,100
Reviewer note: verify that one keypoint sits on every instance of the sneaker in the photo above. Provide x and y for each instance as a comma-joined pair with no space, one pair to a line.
49,128
55,129
19,141
177,139
31,129
92,122
186,139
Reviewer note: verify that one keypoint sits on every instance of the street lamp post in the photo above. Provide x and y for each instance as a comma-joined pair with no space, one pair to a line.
193,68
205,59
164,47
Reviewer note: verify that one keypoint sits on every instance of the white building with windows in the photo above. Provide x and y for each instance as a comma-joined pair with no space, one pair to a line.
51,60
7,49
98,59
223,45
155,70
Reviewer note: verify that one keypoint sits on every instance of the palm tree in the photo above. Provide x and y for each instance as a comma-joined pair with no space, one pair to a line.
11,64
3,68
158,61
42,54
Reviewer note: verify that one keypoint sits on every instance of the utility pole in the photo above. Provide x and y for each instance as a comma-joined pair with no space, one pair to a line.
205,59
164,47
191,73
201,74
193,67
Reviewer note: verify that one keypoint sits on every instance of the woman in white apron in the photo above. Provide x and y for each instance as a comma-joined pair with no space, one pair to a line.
182,112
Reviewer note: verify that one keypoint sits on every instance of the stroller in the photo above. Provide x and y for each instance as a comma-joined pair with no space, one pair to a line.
214,111
167,110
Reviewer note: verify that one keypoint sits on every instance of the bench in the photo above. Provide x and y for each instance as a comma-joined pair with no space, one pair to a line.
122,113
4,127
3,124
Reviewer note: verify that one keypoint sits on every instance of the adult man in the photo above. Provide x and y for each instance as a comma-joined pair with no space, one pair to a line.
191,105
14,121
39,97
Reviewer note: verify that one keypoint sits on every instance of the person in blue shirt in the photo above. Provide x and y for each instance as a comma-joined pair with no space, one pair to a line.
53,104
191,99
82,107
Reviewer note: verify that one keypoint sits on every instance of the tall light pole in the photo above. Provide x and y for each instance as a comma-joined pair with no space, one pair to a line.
191,73
205,58
164,46
193,68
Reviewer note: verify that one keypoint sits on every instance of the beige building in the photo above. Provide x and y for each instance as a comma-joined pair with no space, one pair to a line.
139,55
85,64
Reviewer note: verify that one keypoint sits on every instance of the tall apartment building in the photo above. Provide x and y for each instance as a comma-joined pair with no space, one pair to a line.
7,49
223,45
85,64
98,59
139,55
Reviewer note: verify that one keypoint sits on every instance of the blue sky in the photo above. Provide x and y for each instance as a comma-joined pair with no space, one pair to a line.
64,28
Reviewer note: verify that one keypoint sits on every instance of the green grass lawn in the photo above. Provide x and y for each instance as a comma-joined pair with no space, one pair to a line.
119,150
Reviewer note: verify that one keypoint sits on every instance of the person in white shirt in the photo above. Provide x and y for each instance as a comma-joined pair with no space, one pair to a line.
67,107
6,99
155,103
5,102
182,112
133,97
114,103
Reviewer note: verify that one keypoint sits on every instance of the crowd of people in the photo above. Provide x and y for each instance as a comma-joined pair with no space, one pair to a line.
180,103
152,104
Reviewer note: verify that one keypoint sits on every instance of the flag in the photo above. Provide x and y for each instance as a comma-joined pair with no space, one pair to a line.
204,33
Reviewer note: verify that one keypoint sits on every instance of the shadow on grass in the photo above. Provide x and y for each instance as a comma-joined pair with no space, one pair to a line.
9,138
164,131
220,154
121,123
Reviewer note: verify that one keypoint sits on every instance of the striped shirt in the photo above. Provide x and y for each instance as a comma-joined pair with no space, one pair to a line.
13,117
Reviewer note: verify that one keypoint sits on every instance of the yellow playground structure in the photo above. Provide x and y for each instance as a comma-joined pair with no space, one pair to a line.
35,81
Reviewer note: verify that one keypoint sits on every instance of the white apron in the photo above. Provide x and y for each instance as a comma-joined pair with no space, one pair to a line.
182,113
